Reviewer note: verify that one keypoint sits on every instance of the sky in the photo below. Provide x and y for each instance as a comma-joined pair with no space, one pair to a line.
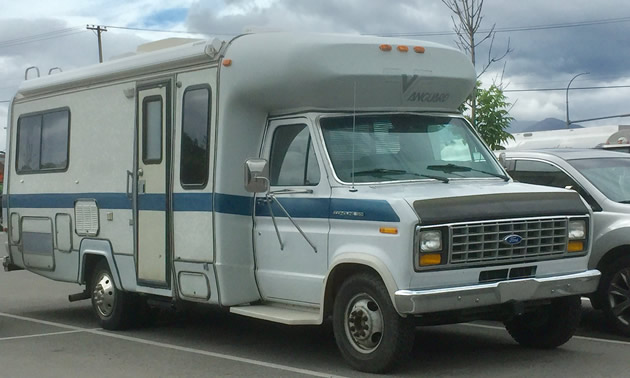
551,41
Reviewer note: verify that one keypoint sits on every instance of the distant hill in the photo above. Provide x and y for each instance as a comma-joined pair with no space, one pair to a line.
545,124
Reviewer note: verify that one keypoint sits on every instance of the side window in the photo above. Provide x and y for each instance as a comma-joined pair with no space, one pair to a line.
152,130
292,158
42,142
536,172
195,158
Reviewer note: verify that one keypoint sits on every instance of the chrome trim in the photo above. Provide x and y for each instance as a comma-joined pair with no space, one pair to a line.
456,298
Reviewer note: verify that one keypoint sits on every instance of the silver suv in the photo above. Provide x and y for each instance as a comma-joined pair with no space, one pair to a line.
603,179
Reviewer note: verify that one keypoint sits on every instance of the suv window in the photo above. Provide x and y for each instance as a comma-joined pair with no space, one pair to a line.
292,159
540,173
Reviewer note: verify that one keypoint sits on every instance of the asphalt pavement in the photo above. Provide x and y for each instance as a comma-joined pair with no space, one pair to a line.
44,335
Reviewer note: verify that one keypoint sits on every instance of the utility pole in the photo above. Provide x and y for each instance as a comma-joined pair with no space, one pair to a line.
99,29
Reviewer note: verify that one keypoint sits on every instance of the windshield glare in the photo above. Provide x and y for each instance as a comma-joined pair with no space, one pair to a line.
395,147
610,176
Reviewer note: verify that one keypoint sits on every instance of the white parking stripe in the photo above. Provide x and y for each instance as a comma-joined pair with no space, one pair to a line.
619,342
171,346
39,335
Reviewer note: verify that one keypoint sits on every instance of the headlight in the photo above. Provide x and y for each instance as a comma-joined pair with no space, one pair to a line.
577,230
431,241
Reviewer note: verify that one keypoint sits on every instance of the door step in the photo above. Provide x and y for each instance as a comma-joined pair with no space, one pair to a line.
291,315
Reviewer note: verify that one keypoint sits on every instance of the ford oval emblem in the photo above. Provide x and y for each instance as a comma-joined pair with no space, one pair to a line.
513,239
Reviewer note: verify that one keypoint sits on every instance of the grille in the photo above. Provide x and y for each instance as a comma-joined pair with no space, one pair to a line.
484,241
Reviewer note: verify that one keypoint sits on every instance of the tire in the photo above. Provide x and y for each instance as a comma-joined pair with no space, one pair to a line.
549,326
385,339
113,308
614,295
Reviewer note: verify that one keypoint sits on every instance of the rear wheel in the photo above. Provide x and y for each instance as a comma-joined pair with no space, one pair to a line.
614,295
114,308
370,334
548,326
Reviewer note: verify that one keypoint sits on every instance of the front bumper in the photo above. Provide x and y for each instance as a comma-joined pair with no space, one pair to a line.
463,297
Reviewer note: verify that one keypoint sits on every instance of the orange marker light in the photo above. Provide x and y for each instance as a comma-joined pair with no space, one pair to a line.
389,230
430,259
576,246
227,62
419,49
402,48
385,47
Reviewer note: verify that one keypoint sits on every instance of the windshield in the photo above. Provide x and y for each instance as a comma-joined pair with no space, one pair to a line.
394,147
611,176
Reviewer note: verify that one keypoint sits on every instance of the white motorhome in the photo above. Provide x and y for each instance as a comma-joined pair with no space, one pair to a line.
290,178
614,137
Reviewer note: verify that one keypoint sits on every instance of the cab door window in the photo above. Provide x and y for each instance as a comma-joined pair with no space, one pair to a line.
292,159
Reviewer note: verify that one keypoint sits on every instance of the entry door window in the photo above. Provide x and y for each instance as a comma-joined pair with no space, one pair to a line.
152,126
292,158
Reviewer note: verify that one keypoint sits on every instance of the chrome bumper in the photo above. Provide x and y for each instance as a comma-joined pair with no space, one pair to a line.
528,289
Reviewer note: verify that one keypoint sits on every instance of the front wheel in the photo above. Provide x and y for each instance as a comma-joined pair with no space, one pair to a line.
370,334
548,326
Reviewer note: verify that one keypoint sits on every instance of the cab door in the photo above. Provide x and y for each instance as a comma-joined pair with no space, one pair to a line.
291,266
152,200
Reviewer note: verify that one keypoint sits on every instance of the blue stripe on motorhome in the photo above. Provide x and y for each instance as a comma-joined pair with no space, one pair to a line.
335,208
192,202
152,202
232,204
370,210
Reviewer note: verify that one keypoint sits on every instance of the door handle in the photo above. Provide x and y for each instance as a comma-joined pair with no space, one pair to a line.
129,178
140,172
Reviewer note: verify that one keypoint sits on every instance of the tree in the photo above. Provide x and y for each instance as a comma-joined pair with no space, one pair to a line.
492,114
466,25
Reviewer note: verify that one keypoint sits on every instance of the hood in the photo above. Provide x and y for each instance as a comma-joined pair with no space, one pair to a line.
478,200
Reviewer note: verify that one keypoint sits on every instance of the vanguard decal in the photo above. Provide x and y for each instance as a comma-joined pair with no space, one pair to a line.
409,81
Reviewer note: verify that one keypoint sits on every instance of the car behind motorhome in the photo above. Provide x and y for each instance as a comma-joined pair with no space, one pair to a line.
603,179
292,178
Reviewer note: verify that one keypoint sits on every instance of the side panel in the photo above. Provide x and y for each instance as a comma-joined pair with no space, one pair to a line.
100,145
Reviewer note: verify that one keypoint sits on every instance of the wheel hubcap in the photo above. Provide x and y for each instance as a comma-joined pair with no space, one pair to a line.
104,295
364,323
619,296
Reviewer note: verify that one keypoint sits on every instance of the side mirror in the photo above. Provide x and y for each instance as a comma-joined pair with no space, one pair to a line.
256,172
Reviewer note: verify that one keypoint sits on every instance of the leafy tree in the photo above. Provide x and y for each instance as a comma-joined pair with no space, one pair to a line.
492,115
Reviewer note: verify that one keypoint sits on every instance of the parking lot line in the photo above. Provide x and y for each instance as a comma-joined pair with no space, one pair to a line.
101,332
40,335
619,342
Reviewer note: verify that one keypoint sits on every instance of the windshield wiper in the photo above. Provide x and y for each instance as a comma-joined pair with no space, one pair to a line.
439,178
380,171
385,171
450,168
626,201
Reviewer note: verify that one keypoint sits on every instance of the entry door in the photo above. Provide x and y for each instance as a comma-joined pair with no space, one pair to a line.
152,185
293,271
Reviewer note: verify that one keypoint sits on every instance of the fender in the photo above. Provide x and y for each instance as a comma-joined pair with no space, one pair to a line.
98,247
362,259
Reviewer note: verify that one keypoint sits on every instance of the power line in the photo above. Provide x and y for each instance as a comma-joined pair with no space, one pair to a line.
41,36
164,30
516,28
564,89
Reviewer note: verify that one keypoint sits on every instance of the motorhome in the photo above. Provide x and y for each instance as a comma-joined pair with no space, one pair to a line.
614,137
294,178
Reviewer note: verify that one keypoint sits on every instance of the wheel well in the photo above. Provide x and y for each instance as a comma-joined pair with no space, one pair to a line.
612,256
90,262
339,274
